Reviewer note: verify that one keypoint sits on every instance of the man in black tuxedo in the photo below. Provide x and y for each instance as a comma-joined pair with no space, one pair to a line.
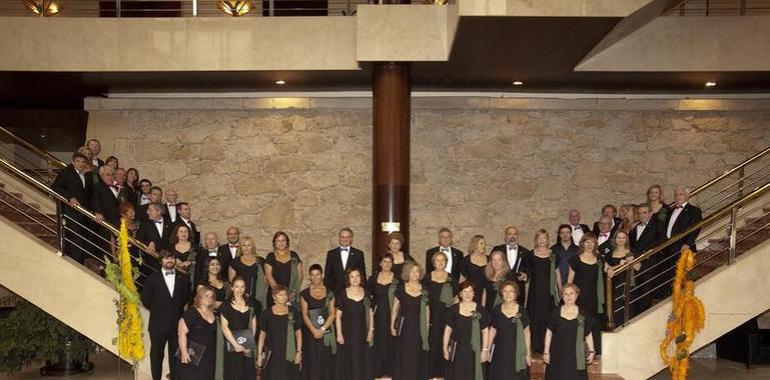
209,250
170,207
73,184
227,251
342,258
454,256
184,214
577,228
609,211
155,197
647,234
604,237
165,294
105,205
516,257
682,216
154,232
144,192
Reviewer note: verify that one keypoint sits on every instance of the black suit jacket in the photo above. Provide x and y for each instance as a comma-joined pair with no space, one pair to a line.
457,261
605,249
167,214
104,202
165,310
142,213
68,185
147,232
689,216
334,277
652,235
225,257
195,235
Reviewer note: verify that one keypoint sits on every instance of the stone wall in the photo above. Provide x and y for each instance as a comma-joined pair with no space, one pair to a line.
303,164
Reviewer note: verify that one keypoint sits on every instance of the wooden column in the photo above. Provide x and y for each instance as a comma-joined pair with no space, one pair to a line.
391,86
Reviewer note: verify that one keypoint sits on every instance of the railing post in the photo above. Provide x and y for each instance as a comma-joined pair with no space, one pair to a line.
608,302
733,235
627,296
51,175
60,225
740,182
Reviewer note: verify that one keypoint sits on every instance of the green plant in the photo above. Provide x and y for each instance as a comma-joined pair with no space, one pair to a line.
29,334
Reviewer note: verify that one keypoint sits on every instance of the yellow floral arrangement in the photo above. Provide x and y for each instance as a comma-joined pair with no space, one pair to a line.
122,276
686,319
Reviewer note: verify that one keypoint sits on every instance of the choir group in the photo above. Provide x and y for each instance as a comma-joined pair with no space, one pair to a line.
227,312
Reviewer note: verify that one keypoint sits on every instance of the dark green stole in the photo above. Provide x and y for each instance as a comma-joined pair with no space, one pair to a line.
330,339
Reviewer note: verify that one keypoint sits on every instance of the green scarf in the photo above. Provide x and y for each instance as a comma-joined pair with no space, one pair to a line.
219,360
260,293
476,344
423,322
552,284
330,339
600,286
392,291
580,353
291,343
294,283
521,349
446,297
498,299
367,315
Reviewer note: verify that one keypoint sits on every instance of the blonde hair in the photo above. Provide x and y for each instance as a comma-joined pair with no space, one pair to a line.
475,243
408,267
660,190
200,292
239,250
569,285
436,256
589,236
489,272
543,232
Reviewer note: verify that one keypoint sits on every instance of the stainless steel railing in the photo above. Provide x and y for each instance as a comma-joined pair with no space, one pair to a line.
720,8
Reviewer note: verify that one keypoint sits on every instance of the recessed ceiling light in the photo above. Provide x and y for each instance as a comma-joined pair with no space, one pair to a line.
280,81
711,84
518,83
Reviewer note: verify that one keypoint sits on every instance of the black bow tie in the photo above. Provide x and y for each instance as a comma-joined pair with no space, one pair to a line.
158,222
344,249
169,273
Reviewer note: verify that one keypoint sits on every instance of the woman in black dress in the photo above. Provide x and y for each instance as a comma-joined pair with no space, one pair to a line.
281,348
198,327
132,185
319,338
381,288
658,206
284,267
495,273
409,323
249,266
568,325
510,336
355,333
183,250
474,265
467,335
238,314
442,289
543,295
214,279
395,242
621,253
586,271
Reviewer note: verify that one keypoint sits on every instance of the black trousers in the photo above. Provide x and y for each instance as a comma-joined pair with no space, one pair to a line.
158,342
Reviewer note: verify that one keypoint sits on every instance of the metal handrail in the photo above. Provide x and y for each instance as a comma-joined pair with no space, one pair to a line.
738,167
728,210
48,156
44,188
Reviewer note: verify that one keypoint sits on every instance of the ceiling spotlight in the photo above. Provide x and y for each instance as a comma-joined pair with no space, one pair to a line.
711,84
518,83
234,8
43,8
280,81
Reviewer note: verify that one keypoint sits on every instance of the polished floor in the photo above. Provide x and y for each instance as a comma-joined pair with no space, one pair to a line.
106,367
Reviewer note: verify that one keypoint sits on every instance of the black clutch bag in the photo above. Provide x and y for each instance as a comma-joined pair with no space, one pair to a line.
318,317
265,357
452,349
195,350
244,337
399,325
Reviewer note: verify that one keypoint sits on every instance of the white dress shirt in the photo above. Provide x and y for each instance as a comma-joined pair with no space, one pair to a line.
144,199
170,280
159,226
674,214
512,255
114,190
82,178
577,233
233,250
603,237
171,211
448,253
640,229
344,256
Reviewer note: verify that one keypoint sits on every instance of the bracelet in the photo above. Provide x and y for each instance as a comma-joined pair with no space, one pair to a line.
546,353
299,352
485,349
591,352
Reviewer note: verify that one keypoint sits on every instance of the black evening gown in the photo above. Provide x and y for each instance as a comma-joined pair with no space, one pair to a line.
438,312
539,299
384,343
316,358
618,286
281,272
237,365
187,256
353,356
411,361
221,294
563,356
492,290
274,326
464,365
503,364
204,333
475,274
249,273
585,279
399,268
